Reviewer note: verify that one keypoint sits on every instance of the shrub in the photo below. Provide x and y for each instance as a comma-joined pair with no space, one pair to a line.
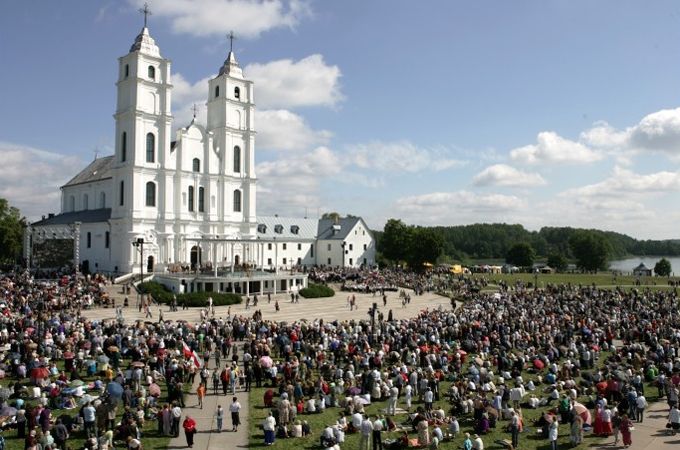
162,295
317,291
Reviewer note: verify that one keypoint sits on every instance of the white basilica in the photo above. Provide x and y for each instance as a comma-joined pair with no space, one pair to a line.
188,201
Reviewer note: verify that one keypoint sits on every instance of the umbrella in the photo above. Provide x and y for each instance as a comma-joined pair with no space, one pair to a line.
39,373
155,390
69,355
479,361
354,391
103,359
582,411
114,389
85,399
538,364
8,411
266,362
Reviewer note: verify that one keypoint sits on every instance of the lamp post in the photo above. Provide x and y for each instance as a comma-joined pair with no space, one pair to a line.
139,245
535,279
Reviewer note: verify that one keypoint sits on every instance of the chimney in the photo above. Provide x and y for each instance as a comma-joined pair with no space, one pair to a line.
50,215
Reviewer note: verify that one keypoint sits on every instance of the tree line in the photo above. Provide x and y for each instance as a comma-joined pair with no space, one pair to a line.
590,249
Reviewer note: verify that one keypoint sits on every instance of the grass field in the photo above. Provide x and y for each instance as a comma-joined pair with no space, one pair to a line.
529,439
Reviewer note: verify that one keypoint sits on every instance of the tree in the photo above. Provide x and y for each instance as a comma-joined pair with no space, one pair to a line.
557,261
590,249
395,240
331,215
425,245
663,268
521,254
11,233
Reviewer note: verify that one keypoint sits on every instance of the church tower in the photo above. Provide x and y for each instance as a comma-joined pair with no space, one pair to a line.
142,145
231,110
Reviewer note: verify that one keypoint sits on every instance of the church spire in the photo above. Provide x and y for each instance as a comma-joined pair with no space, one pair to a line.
230,66
144,43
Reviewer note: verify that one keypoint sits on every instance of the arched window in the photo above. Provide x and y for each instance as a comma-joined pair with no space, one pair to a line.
123,147
150,147
127,70
121,193
237,201
86,202
72,203
191,198
217,91
152,72
201,199
150,194
237,93
237,159
196,165
102,200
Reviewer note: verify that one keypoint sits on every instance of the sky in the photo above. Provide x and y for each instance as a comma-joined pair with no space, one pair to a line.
439,112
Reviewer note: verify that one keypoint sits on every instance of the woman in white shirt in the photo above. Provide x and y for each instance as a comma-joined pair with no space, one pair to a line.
269,425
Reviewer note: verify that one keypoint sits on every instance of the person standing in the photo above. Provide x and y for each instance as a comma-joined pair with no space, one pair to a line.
189,426
176,416
200,393
366,430
626,425
641,404
553,433
90,420
269,425
514,429
219,418
377,430
235,408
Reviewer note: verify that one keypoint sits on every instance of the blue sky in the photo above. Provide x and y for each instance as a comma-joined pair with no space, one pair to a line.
439,112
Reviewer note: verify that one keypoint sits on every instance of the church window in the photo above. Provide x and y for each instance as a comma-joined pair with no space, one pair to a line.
127,70
107,239
89,239
150,194
284,246
121,193
72,203
150,148
237,159
262,228
269,246
152,72
329,247
86,201
201,199
351,247
123,147
365,246
237,92
102,200
191,198
217,91
350,261
311,250
237,201
269,261
212,201
299,246
196,165
284,261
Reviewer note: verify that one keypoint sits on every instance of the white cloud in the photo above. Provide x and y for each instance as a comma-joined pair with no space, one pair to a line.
248,18
658,131
30,178
550,148
184,96
289,84
508,176
457,207
281,129
625,183
400,156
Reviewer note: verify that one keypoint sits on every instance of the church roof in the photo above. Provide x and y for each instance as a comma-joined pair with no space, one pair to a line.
329,229
145,44
86,216
99,169
291,228
231,67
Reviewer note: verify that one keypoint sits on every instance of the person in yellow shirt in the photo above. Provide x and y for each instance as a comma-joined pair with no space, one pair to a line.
200,392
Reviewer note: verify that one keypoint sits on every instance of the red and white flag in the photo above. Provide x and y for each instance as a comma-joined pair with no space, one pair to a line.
190,354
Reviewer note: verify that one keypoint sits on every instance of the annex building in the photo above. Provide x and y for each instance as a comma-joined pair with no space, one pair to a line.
183,204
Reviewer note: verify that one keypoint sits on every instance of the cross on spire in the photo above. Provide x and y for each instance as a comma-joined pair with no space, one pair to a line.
146,11
96,152
195,110
231,36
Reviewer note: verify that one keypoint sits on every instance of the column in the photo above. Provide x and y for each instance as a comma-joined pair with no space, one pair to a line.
232,257
76,246
247,283
276,258
214,246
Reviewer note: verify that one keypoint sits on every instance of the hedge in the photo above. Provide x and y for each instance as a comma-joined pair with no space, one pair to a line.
162,295
317,291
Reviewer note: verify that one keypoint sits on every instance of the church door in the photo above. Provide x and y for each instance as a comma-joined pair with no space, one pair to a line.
195,256
237,260
149,264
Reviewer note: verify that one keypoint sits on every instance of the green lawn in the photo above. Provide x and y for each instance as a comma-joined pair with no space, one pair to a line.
529,439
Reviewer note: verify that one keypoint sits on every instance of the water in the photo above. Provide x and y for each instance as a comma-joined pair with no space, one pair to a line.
627,265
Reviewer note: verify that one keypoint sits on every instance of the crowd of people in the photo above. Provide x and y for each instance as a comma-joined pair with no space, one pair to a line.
513,360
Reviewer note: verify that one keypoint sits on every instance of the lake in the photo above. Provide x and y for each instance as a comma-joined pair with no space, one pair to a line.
627,265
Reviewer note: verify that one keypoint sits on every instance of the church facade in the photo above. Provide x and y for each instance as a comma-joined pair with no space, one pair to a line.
167,202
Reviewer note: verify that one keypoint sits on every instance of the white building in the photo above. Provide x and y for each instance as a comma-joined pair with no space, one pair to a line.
190,197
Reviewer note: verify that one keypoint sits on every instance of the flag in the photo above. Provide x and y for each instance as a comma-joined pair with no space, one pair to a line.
192,355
